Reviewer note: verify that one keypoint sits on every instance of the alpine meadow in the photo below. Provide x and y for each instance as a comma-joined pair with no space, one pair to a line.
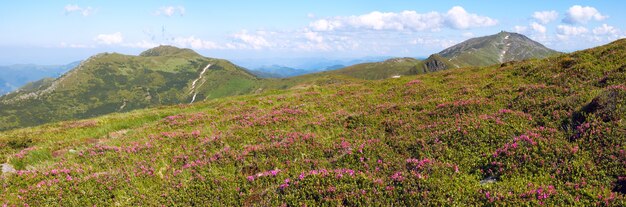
286,103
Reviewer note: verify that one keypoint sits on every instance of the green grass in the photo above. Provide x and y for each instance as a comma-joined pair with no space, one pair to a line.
109,83
549,132
112,82
484,51
380,70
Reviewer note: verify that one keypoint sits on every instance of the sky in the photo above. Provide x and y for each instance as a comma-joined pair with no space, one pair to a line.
60,32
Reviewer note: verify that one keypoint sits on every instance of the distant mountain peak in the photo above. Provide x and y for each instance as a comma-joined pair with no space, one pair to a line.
493,49
167,50
112,82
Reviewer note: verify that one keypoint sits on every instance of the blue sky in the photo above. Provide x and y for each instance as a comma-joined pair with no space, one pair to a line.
58,32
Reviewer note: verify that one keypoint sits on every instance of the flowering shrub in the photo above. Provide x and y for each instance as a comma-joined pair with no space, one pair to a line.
526,134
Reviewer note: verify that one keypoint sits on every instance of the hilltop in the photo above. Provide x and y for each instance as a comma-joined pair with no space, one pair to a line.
481,51
527,133
494,49
167,50
111,82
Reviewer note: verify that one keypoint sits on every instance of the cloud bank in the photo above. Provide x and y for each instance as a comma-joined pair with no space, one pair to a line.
73,8
456,18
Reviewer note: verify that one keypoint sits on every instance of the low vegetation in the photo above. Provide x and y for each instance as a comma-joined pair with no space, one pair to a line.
538,132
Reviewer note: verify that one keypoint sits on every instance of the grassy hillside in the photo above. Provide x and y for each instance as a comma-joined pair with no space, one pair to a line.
15,76
539,132
494,49
380,70
165,75
480,51
108,83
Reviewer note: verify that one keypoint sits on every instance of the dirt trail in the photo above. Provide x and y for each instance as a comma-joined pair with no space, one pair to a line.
193,84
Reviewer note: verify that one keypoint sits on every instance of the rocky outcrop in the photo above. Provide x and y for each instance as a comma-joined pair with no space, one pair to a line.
435,63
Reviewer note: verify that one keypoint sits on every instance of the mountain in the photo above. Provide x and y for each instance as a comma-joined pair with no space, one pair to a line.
436,63
107,83
539,132
15,76
492,49
262,74
334,67
481,51
165,75
380,70
307,65
277,71
111,82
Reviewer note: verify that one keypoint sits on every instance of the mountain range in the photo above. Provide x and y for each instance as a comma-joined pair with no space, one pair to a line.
302,66
535,132
111,82
278,71
165,75
480,51
494,49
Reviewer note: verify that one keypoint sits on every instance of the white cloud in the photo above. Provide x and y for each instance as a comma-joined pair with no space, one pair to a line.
71,8
571,30
251,40
142,44
195,43
170,11
313,36
109,39
579,15
433,42
455,18
566,31
183,42
520,29
311,41
458,18
538,27
325,25
545,17
66,45
605,30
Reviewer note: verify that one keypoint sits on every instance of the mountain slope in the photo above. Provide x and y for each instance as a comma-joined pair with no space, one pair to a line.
108,83
15,76
277,71
494,49
436,63
537,132
481,51
380,70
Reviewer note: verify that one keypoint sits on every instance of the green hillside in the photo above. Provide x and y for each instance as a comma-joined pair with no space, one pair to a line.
164,75
494,49
537,132
108,83
380,70
437,63
13,77
481,51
